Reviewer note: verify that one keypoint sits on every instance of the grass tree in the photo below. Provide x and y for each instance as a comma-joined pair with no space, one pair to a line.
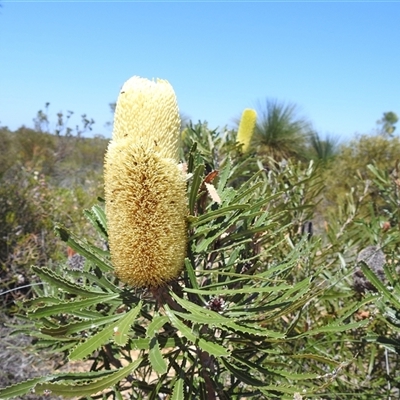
280,133
323,150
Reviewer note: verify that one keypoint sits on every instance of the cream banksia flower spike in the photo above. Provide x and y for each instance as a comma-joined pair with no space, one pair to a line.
246,128
145,189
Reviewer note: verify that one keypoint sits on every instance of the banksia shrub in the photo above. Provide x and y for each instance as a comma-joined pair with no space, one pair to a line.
248,305
145,189
246,128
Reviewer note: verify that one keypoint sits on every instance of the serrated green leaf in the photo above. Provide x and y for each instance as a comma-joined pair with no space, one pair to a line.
101,215
316,357
70,306
95,223
249,366
194,188
227,196
69,389
245,233
91,216
41,301
91,344
50,339
242,194
223,211
58,281
144,343
270,390
224,175
156,359
192,153
294,376
223,324
191,274
79,326
212,348
21,388
155,325
83,248
122,327
332,328
140,344
251,181
389,343
351,309
88,314
201,315
380,286
118,330
102,282
178,393
253,289
216,232
242,375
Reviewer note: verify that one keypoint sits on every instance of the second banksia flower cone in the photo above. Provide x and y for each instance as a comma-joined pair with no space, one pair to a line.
145,189
246,128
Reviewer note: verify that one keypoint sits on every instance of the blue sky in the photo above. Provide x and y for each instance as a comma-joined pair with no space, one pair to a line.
338,61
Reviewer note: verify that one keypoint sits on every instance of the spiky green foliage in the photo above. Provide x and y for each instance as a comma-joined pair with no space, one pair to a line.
323,150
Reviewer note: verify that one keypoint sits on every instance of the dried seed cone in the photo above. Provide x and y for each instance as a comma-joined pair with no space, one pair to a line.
145,190
246,128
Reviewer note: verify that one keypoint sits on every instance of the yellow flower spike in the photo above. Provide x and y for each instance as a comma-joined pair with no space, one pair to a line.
145,188
246,128
148,112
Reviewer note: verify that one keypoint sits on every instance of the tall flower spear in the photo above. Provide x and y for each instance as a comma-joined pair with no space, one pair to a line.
145,189
246,128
